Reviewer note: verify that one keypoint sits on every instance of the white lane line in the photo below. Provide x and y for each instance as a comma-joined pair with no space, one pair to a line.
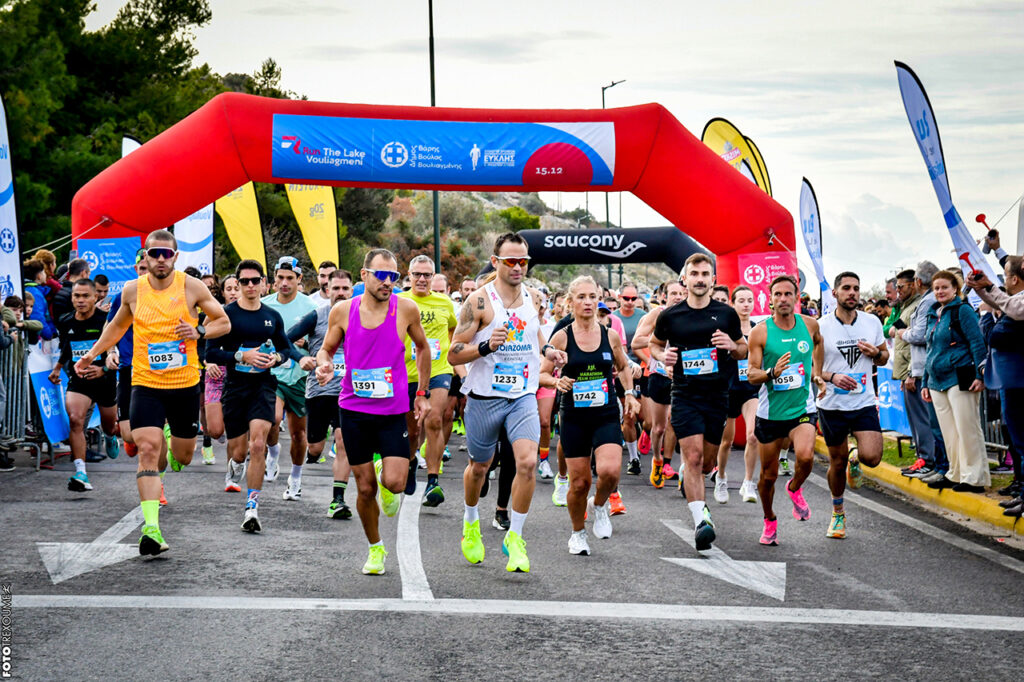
410,560
601,611
66,560
926,528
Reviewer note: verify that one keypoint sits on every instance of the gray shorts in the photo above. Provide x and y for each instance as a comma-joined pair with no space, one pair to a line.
485,418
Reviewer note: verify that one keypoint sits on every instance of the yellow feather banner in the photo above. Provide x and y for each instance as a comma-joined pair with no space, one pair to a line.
736,150
314,209
241,219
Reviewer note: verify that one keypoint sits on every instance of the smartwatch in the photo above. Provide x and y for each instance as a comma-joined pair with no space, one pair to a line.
238,356
635,392
425,394
201,330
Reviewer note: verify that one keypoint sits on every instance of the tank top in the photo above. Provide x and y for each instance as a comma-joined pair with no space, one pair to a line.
159,358
593,392
790,395
375,381
513,370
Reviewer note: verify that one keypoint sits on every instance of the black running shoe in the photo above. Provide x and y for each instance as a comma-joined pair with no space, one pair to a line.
410,482
704,536
339,510
633,469
501,521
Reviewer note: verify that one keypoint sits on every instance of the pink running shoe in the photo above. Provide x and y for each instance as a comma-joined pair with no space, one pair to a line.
644,446
670,473
770,534
801,512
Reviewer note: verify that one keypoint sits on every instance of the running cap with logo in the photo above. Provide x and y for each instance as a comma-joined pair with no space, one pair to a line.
288,263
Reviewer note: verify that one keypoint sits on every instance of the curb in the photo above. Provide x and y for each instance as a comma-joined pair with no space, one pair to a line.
971,505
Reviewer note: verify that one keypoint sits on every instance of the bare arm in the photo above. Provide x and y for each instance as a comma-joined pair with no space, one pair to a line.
470,320
818,355
332,339
114,329
755,356
217,322
419,340
620,360
642,337
547,367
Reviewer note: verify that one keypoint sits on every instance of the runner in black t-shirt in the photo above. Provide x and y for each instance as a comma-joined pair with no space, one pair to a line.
699,340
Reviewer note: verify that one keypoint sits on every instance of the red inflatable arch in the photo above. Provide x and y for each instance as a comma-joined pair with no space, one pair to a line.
235,138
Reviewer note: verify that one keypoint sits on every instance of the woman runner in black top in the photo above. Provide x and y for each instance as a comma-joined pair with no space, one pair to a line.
589,414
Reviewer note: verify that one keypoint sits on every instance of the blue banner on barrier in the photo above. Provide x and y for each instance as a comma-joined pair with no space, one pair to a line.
114,258
50,399
892,414
442,152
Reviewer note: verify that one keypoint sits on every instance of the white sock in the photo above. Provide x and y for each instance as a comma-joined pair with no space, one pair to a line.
516,521
471,514
697,511
273,451
562,479
632,450
721,477
80,466
784,455
297,471
379,543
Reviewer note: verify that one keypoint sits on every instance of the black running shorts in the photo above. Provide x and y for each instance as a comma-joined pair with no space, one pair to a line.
696,414
242,402
582,432
322,417
837,425
102,391
365,434
770,430
179,407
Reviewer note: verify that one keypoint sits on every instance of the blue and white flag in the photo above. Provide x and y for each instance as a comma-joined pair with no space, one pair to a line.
10,253
195,241
810,225
926,133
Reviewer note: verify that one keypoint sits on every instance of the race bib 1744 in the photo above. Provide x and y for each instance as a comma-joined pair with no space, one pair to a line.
699,361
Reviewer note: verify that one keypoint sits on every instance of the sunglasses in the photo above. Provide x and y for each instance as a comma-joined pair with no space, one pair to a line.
385,275
629,298
421,275
246,281
512,262
158,252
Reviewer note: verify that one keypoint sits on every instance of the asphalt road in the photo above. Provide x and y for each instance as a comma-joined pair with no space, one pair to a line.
907,594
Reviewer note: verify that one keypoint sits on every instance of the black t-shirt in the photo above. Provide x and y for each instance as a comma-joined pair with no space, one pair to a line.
700,364
250,329
77,337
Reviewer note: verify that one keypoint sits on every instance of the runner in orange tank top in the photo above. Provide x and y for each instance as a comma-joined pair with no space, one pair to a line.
165,368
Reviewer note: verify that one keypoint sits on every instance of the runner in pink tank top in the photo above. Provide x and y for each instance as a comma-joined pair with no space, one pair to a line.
375,380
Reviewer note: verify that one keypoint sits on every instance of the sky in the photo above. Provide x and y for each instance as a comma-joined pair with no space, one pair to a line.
813,84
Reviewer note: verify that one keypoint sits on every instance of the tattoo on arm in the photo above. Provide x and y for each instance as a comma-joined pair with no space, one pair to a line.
479,302
147,472
465,320
458,348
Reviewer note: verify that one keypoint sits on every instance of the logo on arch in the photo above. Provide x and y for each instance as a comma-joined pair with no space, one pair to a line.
394,154
7,240
92,259
753,274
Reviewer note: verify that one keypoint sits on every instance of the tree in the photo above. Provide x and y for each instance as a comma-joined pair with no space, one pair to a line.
517,219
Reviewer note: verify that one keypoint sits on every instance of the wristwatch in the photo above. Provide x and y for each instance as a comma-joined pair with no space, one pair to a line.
636,392
425,394
201,330
238,356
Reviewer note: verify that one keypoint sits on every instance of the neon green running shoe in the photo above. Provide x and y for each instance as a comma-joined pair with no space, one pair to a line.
173,463
375,561
152,542
388,502
472,543
514,547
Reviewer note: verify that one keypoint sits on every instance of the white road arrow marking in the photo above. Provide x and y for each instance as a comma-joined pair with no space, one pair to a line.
65,560
765,577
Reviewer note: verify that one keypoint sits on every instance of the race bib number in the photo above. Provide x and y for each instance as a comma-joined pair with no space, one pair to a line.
373,383
699,361
510,377
658,368
166,355
249,369
339,363
741,369
862,383
592,393
791,378
435,349
80,348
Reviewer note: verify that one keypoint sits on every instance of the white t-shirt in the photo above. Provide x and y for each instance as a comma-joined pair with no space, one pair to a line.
317,298
842,356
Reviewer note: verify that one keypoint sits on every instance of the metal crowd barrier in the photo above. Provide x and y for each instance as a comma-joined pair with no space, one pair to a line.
992,425
18,413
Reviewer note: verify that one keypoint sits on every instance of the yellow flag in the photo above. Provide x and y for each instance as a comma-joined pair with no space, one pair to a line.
760,162
241,219
313,206
736,150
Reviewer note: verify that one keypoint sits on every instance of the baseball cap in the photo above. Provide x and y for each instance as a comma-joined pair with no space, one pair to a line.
602,306
288,263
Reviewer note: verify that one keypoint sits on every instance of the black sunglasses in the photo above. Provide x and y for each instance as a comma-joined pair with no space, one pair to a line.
158,252
246,281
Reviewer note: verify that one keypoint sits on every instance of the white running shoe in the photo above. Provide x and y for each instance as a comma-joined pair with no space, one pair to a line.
784,468
578,543
251,521
560,497
544,469
273,469
420,461
233,476
602,519
748,491
294,489
721,489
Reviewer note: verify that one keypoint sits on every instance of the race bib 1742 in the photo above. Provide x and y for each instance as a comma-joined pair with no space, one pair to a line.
593,393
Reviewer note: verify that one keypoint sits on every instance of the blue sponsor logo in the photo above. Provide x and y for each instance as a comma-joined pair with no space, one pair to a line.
921,124
8,241
937,171
5,152
6,286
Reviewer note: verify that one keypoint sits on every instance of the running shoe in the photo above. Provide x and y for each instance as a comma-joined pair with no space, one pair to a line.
657,475
387,500
837,526
918,464
113,446
152,542
770,536
544,469
410,478
633,469
721,489
311,458
273,468
501,520
433,495
294,489
748,491
514,547
854,474
79,482
375,561
163,497
704,535
472,543
615,504
602,521
644,444
670,473
801,512
421,462
233,476
208,456
131,449
560,496
251,521
167,436
578,543
337,509
784,469
923,472
173,463
446,455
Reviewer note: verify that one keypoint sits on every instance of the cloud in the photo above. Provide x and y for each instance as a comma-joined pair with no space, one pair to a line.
297,8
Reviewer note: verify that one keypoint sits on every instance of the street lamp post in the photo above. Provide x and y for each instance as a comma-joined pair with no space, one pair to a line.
607,211
433,103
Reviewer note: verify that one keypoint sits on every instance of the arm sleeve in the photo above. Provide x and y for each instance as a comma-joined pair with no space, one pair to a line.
735,330
280,340
9,316
453,321
304,327
216,354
